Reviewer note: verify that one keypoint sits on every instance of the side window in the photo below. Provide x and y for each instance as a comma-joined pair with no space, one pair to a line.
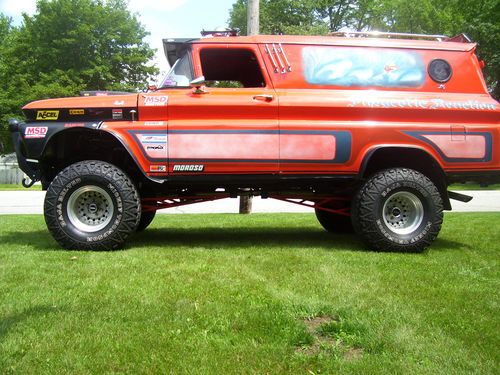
231,68
181,72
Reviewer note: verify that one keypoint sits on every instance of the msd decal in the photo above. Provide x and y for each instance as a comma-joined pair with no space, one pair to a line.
155,101
36,132
47,115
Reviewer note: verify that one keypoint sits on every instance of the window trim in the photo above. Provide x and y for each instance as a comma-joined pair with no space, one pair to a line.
233,46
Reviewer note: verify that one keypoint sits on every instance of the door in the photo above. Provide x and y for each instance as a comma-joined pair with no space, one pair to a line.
231,125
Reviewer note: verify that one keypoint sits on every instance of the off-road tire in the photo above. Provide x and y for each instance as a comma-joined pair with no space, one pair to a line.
398,210
333,222
86,192
146,219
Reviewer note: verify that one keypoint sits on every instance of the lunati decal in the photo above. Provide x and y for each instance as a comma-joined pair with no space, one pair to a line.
423,104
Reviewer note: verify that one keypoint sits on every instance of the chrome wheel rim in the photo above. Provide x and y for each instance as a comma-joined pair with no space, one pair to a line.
90,208
403,212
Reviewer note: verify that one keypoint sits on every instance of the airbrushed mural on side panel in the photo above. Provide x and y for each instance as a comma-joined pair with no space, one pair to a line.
362,67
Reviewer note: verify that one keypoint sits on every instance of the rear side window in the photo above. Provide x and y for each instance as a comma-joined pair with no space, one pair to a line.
362,67
231,68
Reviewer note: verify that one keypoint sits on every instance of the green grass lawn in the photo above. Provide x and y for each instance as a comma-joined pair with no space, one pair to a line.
258,294
9,187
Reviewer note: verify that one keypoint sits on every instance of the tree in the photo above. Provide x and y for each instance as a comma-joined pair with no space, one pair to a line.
477,18
68,46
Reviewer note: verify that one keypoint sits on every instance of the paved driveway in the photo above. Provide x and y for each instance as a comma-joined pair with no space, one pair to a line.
31,202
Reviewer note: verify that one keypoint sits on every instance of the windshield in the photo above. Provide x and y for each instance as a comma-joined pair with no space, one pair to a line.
180,74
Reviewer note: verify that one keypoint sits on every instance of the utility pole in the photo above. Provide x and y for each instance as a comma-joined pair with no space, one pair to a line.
253,23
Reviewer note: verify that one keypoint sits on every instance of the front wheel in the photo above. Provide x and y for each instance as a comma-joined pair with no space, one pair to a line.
334,223
398,210
146,219
92,205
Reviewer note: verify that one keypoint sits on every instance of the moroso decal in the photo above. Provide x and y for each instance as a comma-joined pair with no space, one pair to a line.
36,132
47,115
155,101
76,112
475,147
188,168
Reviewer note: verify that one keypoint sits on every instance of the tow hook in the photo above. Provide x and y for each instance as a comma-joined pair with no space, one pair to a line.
459,197
28,182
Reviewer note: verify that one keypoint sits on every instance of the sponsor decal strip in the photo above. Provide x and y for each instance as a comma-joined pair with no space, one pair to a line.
466,152
340,143
423,104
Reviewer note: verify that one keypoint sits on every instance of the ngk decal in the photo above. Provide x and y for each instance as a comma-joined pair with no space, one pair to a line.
155,101
36,132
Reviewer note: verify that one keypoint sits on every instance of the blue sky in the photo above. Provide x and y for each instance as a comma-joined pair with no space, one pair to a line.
162,18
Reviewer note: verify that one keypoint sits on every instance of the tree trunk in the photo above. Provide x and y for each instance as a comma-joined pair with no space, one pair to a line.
245,204
253,21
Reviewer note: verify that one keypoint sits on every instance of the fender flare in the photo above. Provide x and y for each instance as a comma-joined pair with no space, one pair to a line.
440,179
92,129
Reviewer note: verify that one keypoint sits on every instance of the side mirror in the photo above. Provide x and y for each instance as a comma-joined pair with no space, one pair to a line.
197,84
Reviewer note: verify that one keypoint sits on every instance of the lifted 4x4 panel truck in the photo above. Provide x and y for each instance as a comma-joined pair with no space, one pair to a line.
368,131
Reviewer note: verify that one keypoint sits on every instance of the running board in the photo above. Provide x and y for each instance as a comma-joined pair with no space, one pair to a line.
459,197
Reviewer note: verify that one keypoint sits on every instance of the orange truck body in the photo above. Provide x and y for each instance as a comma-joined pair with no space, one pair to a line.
305,128
326,109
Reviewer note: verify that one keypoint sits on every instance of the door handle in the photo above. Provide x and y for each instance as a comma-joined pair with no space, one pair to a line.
264,97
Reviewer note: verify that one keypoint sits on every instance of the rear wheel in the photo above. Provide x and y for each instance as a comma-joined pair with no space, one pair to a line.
398,210
92,205
333,222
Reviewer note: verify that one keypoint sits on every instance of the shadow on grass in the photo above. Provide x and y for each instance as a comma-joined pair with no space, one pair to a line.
263,237
9,322
442,244
39,239
229,238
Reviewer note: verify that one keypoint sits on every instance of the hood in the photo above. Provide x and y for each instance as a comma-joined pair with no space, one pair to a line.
88,109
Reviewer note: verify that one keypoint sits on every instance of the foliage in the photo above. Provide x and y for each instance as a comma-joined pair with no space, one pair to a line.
258,294
68,46
478,19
